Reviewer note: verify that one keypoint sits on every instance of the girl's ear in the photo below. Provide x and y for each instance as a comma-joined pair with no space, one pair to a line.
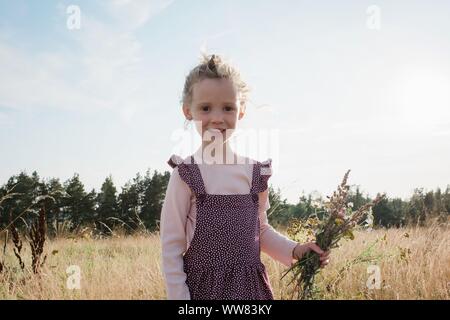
187,112
241,111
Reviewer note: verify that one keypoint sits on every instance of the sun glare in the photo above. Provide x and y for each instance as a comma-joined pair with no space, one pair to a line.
424,97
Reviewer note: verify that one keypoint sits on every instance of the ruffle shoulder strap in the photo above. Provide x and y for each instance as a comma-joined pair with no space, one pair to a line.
262,171
188,172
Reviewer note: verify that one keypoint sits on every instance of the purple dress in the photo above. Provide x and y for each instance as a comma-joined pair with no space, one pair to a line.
223,260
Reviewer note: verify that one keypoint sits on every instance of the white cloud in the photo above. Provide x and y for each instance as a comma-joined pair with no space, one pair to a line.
103,71
109,60
32,80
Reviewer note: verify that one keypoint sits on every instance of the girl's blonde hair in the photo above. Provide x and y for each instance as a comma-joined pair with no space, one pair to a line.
213,67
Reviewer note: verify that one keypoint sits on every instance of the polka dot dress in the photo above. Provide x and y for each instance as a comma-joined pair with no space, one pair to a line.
223,260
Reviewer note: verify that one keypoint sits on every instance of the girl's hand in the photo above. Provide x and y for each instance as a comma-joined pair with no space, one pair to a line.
302,249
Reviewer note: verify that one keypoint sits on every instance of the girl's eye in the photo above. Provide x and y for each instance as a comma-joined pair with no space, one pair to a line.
205,108
228,108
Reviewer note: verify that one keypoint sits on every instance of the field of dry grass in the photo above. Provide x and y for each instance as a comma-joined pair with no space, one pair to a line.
414,263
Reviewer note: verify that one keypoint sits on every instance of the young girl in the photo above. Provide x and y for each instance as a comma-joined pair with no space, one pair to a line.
213,221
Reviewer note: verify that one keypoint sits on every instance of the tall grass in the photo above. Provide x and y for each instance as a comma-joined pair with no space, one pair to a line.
414,264
118,268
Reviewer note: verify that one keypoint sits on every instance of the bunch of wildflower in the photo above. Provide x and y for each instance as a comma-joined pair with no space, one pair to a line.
339,221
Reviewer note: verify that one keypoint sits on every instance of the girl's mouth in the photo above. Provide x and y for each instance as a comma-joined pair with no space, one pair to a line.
217,130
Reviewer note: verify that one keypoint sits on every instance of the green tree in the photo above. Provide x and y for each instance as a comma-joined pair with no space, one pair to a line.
154,188
28,189
384,214
107,210
77,206
357,198
415,210
446,204
278,213
54,208
129,201
429,203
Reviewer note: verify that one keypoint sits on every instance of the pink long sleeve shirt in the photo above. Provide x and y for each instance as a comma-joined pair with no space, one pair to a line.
178,219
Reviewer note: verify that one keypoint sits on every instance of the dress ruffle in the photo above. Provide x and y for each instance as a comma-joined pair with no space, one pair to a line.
185,170
263,171
249,282
174,160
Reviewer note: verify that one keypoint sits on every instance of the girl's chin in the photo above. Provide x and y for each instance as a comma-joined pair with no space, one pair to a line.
214,132
208,133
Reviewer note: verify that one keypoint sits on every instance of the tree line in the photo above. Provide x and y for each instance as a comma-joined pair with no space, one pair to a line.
417,210
138,204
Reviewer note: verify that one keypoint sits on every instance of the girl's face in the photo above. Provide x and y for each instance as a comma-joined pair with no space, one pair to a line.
215,105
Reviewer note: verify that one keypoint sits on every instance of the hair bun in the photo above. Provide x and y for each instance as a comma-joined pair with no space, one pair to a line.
212,63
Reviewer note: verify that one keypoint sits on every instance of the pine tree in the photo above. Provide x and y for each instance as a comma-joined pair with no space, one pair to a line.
77,205
56,190
153,197
278,212
107,210
28,189
130,203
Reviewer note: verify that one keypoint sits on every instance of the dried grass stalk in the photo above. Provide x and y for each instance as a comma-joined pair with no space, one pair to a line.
17,242
37,235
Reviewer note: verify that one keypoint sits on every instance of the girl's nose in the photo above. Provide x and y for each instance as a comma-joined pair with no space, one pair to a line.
217,118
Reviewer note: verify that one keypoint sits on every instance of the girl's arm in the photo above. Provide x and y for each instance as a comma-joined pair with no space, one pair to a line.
276,245
173,236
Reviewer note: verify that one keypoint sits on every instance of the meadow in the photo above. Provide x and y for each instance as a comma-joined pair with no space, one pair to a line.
404,263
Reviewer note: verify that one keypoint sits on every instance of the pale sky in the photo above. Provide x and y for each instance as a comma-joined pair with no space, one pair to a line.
338,85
